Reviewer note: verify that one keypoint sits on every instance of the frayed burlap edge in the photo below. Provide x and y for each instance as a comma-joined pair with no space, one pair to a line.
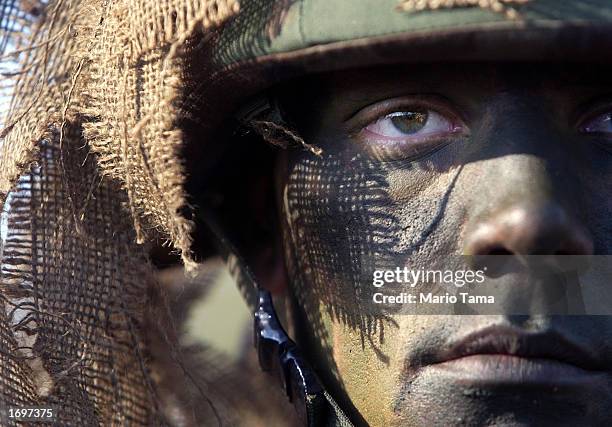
116,68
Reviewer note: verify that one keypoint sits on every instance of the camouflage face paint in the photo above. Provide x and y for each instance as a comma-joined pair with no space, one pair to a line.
358,208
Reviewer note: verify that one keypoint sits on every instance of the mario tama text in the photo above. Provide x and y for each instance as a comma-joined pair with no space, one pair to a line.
414,280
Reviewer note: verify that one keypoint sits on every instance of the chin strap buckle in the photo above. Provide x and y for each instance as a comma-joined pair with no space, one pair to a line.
277,353
280,356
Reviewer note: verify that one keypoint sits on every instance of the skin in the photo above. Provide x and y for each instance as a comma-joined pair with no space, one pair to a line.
519,176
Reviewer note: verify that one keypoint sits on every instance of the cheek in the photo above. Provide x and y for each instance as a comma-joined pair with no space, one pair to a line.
336,225
342,221
429,210
349,218
368,368
597,199
373,368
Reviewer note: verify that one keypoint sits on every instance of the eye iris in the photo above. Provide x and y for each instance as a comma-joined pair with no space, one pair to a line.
409,122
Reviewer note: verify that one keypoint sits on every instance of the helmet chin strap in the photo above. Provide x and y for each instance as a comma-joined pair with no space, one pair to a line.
278,355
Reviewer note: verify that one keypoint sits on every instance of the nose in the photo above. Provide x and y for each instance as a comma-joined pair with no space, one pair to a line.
529,229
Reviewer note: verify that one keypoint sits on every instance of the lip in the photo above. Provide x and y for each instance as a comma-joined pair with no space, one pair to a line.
501,356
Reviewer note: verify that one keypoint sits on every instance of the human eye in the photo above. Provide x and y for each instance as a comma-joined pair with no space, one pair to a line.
397,130
410,125
599,124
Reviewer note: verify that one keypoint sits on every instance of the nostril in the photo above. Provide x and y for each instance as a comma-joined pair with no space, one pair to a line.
497,250
500,263
546,229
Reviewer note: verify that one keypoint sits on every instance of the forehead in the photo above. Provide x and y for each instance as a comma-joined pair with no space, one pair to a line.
470,74
460,82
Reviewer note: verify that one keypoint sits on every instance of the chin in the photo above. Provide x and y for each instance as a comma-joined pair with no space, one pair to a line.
556,396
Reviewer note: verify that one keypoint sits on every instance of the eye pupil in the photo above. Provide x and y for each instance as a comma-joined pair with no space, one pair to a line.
409,122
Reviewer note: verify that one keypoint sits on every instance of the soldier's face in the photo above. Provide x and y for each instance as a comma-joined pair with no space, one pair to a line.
422,162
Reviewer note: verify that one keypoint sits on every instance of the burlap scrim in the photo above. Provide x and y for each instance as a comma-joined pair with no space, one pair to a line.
88,171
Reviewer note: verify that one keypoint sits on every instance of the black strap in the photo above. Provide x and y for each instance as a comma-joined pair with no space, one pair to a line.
278,355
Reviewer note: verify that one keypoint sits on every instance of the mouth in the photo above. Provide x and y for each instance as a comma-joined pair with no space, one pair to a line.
505,356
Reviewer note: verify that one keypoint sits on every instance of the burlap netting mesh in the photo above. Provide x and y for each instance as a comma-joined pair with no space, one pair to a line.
88,171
